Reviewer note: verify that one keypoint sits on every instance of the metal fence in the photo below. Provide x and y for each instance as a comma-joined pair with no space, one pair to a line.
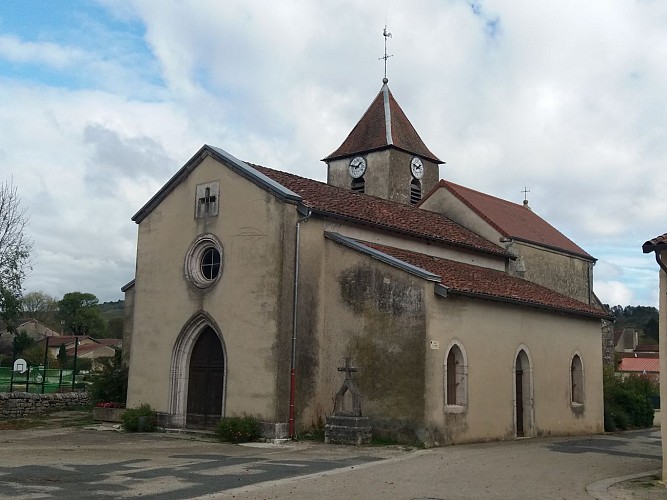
37,379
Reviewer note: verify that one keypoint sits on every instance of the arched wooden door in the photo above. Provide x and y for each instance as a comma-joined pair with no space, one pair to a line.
206,381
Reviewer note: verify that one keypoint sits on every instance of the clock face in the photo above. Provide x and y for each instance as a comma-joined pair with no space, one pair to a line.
417,168
357,167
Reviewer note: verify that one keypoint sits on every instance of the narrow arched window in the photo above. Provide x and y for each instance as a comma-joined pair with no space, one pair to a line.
415,191
577,380
358,185
456,372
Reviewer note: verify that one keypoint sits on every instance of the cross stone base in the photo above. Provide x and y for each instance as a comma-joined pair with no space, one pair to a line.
346,429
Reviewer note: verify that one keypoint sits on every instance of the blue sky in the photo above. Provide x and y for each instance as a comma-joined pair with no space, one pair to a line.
103,101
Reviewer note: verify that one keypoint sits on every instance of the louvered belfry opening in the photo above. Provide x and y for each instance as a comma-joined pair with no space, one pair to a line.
358,185
415,192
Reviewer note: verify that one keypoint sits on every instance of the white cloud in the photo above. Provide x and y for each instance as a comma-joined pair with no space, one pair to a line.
15,50
562,97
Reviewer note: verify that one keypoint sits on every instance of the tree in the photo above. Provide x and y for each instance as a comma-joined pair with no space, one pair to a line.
14,253
62,356
22,342
40,306
80,314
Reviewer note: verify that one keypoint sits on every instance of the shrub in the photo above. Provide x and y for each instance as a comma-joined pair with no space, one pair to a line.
239,429
627,401
110,382
142,419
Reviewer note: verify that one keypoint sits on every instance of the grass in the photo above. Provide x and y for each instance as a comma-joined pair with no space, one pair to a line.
75,416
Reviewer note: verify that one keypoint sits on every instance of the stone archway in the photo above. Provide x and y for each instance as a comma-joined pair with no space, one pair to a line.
199,336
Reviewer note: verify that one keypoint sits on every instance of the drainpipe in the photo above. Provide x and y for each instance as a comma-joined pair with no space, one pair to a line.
658,259
292,389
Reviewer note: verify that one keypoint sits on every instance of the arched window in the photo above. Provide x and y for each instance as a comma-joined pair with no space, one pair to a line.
577,380
456,375
358,185
415,191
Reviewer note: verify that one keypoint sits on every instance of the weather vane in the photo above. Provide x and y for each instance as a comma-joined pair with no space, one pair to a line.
386,35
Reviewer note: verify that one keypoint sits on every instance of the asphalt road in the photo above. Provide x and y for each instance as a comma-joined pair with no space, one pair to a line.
71,463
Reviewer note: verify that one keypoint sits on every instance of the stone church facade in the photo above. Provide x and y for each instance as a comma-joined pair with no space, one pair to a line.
468,317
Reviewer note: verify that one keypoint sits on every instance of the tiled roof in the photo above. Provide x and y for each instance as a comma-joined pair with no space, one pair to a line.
58,340
85,349
343,203
467,279
513,220
110,342
384,124
639,365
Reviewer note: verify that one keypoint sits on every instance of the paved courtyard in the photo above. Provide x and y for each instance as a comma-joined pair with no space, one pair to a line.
71,463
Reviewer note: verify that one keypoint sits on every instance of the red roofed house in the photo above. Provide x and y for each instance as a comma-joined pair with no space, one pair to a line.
658,245
468,317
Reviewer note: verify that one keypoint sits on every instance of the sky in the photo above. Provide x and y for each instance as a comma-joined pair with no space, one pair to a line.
101,102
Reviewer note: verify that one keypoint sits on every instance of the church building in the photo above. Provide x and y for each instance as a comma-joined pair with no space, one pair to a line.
467,317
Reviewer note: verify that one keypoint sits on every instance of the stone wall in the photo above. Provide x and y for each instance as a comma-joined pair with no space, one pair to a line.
23,404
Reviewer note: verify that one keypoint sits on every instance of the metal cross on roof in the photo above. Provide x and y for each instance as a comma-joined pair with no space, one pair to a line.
525,192
386,35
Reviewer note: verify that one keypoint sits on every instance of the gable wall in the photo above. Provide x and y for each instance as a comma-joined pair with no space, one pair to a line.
566,274
251,226
491,334
558,271
445,203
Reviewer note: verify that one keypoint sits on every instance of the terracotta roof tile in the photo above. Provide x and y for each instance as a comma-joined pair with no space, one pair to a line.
366,209
639,365
657,243
384,124
513,220
468,279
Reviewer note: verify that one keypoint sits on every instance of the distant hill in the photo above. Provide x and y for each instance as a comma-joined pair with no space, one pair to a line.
643,318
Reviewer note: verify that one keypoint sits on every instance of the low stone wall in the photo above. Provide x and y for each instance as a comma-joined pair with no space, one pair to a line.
23,404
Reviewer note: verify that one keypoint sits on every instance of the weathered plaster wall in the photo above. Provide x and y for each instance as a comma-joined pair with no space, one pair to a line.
245,304
563,273
128,324
663,360
491,333
375,314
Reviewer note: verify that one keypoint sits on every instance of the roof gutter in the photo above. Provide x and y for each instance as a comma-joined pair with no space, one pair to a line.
648,247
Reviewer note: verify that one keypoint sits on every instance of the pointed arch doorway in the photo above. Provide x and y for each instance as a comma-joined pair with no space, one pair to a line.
205,381
523,395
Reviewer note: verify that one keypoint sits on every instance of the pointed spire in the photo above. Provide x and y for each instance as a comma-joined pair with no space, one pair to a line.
383,125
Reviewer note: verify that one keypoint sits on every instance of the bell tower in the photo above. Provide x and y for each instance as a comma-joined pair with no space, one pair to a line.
384,156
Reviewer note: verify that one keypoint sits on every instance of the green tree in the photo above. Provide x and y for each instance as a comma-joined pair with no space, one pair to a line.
80,314
62,356
110,382
22,342
14,253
